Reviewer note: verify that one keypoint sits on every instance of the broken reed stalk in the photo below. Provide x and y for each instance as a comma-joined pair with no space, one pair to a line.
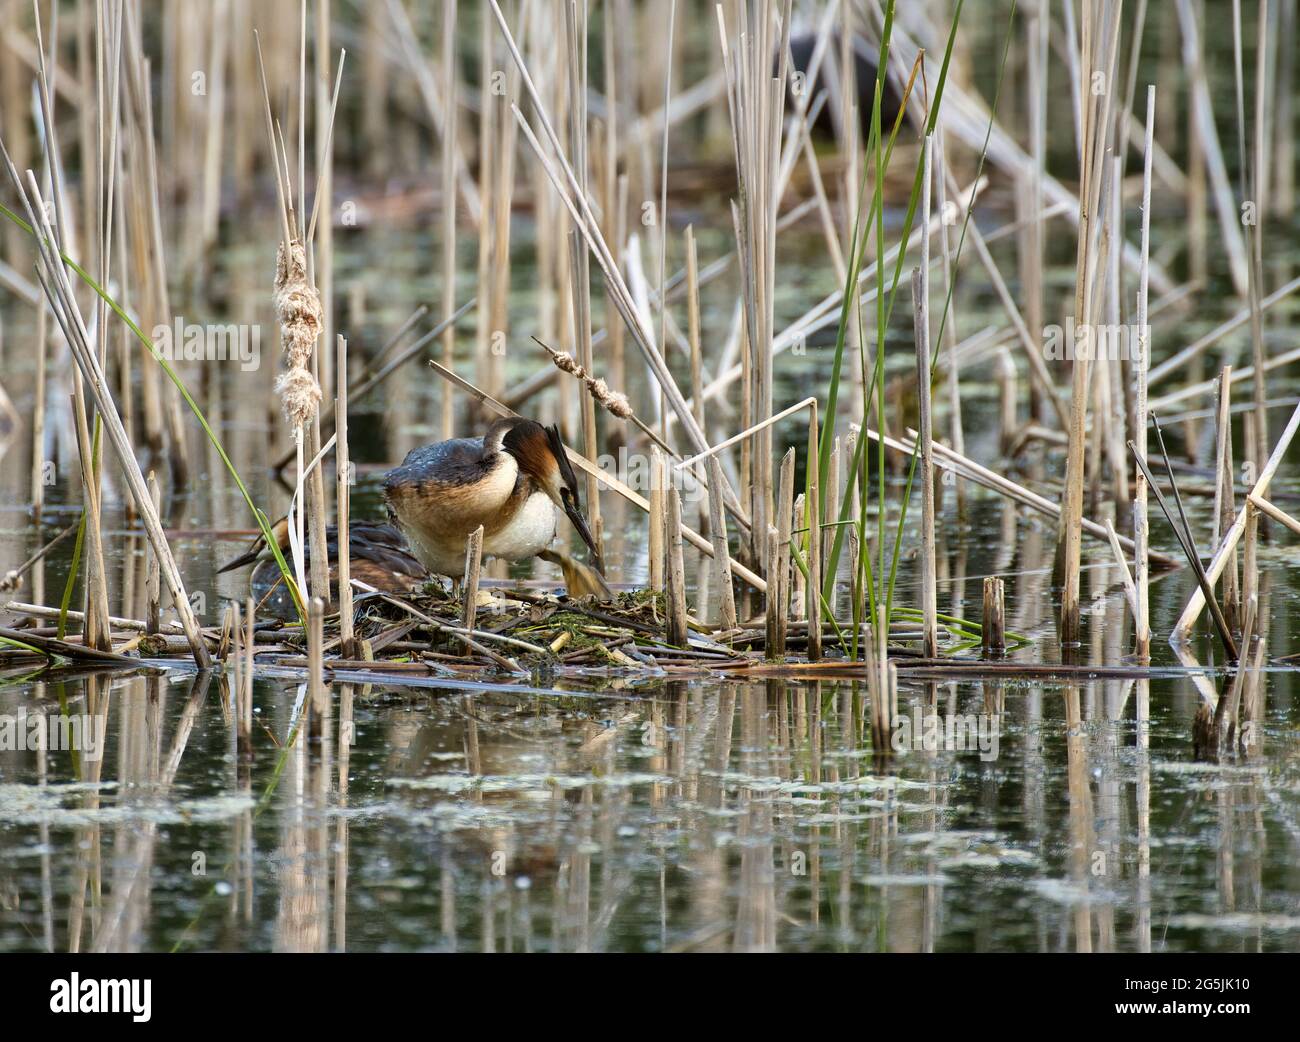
1225,505
949,334
1004,372
726,594
153,572
316,694
234,654
661,218
502,137
993,640
1202,387
96,587
1115,415
798,609
13,578
812,514
163,423
693,339
772,649
473,569
1141,378
676,570
343,501
1250,577
1130,591
108,50
1193,557
1252,704
784,530
929,590
1276,513
246,703
1037,34
38,414
657,512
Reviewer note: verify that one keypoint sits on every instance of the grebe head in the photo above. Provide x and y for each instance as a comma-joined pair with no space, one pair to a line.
258,550
540,454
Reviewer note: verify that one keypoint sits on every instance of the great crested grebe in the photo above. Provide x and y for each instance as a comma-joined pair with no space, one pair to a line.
377,556
514,481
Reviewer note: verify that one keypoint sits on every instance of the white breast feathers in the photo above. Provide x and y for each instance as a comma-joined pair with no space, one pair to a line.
529,532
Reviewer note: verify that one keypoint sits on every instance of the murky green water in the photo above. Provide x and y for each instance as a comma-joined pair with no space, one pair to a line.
674,816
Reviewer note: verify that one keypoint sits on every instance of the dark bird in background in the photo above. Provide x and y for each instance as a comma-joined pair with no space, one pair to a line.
828,78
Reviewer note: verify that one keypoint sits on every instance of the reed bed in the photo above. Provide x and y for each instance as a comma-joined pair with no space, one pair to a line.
660,181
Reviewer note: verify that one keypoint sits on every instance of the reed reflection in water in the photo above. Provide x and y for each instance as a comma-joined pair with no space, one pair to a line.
686,816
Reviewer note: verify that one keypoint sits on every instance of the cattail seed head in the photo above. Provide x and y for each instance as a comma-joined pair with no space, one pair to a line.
614,401
298,308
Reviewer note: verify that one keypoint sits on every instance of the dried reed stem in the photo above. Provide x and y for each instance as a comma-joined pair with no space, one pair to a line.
96,587
1275,512
318,698
658,509
1219,561
343,502
1225,505
153,572
449,155
1141,378
676,570
473,568
813,515
726,595
929,574
784,528
993,624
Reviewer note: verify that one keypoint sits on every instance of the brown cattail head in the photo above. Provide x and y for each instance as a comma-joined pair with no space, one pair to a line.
298,308
606,397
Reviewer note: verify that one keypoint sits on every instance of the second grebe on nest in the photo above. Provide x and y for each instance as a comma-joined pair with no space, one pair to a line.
377,556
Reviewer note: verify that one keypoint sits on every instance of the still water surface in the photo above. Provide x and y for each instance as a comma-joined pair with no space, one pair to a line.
668,814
